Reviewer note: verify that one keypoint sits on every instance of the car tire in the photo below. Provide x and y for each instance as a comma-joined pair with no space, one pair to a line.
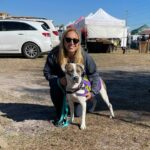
30,50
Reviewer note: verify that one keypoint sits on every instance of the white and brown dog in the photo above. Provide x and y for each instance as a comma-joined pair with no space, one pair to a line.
75,90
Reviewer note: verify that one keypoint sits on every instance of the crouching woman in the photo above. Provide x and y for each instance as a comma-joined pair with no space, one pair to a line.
69,50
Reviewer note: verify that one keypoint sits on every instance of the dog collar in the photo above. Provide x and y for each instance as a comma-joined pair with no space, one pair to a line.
85,85
75,90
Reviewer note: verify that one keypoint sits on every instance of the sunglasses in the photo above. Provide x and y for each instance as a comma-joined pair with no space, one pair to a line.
68,40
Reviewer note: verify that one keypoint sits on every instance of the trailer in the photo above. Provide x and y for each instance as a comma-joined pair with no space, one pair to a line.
99,30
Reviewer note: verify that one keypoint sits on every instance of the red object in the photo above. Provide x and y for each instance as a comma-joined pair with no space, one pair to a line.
55,32
146,32
84,32
46,34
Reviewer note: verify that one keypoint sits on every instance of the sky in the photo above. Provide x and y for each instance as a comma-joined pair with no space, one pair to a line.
135,12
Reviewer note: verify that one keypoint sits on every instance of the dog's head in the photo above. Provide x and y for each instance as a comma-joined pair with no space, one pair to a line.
73,72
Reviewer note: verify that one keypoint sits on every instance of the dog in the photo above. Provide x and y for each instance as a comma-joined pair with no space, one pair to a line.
75,91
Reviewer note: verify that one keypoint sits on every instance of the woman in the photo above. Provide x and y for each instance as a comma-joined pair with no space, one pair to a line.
69,50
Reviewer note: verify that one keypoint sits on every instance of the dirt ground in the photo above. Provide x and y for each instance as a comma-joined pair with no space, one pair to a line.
26,109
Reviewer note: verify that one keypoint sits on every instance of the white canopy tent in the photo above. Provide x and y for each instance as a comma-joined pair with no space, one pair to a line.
103,25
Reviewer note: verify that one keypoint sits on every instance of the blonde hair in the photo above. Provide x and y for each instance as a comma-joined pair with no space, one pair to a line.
62,56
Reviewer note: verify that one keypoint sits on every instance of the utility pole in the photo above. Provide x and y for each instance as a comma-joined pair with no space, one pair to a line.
126,17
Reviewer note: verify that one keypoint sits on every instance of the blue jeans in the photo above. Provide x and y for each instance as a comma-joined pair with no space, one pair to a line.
56,96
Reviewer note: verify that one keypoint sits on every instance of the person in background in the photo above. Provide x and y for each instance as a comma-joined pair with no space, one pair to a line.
143,44
148,41
129,41
143,38
69,50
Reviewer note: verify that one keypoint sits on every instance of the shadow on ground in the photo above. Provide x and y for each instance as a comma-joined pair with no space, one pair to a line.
7,56
20,111
126,90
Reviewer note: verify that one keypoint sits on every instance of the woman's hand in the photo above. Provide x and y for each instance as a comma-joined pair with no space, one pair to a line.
63,81
88,96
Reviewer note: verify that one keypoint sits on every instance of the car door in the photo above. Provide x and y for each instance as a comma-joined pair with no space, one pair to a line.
11,37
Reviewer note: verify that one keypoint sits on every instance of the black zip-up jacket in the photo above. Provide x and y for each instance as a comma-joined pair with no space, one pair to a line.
53,70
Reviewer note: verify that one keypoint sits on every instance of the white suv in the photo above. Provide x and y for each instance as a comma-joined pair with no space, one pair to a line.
29,38
54,34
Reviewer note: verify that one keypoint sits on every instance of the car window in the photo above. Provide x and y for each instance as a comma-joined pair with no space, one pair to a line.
44,27
0,26
15,26
45,24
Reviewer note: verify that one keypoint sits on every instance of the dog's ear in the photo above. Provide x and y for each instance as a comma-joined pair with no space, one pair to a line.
64,67
81,67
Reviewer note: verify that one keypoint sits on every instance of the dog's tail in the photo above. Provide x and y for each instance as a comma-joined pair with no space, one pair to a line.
103,83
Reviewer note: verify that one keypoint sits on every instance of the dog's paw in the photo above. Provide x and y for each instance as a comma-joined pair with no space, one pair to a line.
83,127
112,116
72,119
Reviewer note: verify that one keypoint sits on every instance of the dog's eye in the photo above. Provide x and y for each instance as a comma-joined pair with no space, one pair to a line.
70,72
78,70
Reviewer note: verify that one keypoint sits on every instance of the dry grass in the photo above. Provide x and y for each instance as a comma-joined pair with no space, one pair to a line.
25,108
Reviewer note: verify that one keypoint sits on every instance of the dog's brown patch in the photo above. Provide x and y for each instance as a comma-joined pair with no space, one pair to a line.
69,68
79,69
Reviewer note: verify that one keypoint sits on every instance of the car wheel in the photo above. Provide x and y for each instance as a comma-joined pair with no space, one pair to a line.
31,50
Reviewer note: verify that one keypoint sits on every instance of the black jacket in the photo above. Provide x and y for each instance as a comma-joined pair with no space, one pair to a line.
53,70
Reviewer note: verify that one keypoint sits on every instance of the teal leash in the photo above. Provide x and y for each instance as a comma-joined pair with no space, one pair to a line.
63,121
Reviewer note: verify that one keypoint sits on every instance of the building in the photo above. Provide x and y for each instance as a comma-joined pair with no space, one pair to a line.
4,15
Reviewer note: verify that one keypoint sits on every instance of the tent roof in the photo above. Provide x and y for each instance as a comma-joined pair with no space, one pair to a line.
90,14
103,18
70,24
79,19
139,30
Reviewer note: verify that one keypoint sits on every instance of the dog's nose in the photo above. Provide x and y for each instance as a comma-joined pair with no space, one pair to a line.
76,79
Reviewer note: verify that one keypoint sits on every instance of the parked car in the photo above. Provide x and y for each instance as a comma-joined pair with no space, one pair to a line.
53,31
54,35
29,38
